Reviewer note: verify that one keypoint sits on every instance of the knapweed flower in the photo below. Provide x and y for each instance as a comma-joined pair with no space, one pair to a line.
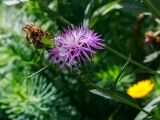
141,89
75,45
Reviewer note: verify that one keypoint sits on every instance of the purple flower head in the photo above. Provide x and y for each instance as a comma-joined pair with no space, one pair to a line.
75,45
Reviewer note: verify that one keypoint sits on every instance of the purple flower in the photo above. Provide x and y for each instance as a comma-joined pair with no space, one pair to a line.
75,45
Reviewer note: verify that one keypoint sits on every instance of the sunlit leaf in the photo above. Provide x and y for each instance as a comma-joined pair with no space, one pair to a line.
13,2
107,8
151,57
149,107
87,13
100,93
48,42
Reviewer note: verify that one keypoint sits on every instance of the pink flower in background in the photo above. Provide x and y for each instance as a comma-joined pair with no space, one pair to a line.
75,45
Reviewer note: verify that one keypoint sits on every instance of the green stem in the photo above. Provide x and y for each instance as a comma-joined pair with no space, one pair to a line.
37,72
153,9
131,61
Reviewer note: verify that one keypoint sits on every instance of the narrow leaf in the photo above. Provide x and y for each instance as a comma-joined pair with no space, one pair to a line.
120,74
37,72
87,13
149,107
100,93
153,6
151,57
118,96
107,8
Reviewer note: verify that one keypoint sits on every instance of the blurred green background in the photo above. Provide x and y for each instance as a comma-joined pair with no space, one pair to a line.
56,94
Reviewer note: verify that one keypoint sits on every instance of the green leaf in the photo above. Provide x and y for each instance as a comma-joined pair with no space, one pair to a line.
120,73
104,10
149,107
115,95
87,13
100,93
131,6
118,96
107,8
48,42
151,57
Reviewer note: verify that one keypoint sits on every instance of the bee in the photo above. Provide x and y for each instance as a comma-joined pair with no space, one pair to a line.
34,34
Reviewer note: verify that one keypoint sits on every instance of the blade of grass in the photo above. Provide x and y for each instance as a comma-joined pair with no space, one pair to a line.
87,13
149,107
120,73
37,72
152,7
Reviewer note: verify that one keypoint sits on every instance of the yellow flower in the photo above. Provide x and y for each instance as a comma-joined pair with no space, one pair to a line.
141,89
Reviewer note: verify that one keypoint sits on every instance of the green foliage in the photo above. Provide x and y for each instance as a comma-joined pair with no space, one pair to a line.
27,99
153,6
118,96
149,107
62,94
107,8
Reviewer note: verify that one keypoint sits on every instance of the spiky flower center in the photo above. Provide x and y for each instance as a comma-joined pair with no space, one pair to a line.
74,45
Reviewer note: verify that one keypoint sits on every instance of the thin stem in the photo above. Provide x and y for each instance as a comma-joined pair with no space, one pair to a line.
131,61
37,72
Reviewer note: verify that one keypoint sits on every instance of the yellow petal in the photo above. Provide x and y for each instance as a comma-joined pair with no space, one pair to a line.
141,89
